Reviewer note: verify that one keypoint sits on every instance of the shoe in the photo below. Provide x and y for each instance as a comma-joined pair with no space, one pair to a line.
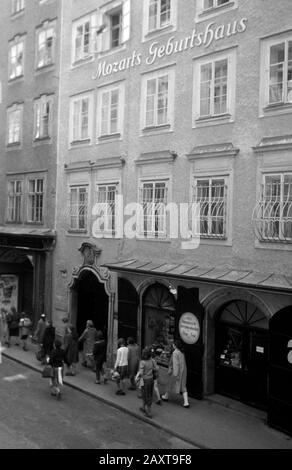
69,373
118,392
53,394
24,348
163,398
58,395
84,364
158,402
122,393
149,415
185,406
97,382
105,381
132,388
142,409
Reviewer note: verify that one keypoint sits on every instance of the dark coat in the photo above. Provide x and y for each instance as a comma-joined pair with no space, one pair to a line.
57,358
48,339
99,351
71,348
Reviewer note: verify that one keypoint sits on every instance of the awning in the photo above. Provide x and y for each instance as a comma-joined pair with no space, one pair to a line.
207,274
28,232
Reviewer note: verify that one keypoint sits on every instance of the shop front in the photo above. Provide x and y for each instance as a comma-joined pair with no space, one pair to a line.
26,271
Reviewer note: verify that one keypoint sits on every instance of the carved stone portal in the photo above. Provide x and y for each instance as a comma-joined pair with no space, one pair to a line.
90,253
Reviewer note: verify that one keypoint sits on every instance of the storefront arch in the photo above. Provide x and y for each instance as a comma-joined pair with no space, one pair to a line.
213,303
91,298
280,376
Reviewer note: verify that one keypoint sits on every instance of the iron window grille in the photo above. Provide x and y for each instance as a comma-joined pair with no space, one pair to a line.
210,210
153,198
78,209
106,207
272,216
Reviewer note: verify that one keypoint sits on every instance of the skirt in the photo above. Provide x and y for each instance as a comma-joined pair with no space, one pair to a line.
147,391
123,371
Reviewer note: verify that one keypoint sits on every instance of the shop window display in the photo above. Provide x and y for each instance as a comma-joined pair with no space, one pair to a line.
231,353
159,323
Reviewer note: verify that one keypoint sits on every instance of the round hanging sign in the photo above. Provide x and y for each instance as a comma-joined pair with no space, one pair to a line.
189,328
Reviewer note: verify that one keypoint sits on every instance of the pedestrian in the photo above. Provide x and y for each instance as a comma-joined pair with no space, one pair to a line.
13,319
121,366
48,340
155,385
71,349
147,374
25,324
99,356
56,360
178,374
40,329
133,361
88,337
3,327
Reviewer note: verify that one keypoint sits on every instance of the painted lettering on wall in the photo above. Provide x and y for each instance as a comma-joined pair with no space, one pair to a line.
173,46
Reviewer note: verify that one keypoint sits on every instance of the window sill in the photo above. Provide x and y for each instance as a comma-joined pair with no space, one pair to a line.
28,222
152,238
14,222
17,14
214,10
43,68
111,51
213,120
155,32
14,145
39,140
156,129
277,107
76,143
15,79
84,60
109,137
77,231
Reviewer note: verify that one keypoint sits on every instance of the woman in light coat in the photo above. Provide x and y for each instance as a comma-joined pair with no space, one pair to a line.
178,374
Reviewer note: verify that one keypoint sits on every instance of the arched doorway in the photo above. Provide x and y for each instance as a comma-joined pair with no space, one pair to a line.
92,302
242,352
158,321
280,377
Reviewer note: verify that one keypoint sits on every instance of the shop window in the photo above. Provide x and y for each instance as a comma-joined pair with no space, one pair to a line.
159,322
273,213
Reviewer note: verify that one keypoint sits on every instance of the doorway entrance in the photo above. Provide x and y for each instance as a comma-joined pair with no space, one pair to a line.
242,352
92,303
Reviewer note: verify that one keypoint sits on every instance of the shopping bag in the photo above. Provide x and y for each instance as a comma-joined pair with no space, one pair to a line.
48,372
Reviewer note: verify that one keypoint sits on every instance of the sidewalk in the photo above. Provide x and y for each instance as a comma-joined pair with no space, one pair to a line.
213,423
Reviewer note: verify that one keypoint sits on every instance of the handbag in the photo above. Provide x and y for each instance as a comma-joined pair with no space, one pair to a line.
48,372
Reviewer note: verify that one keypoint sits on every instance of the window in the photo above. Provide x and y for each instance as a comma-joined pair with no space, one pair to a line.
43,111
35,200
83,38
159,14
214,3
45,45
106,200
158,99
110,111
16,51
210,196
81,116
14,123
153,198
273,213
14,205
78,207
113,25
276,75
214,88
17,6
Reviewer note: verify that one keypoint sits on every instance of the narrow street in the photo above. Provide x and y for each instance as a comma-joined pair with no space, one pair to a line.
30,418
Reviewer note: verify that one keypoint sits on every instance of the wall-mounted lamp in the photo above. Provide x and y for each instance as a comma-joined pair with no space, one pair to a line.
63,272
172,289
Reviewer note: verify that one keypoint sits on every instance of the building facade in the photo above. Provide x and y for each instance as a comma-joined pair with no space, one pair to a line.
174,206
29,76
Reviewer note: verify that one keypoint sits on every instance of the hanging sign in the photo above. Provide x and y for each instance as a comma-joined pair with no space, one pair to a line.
189,328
